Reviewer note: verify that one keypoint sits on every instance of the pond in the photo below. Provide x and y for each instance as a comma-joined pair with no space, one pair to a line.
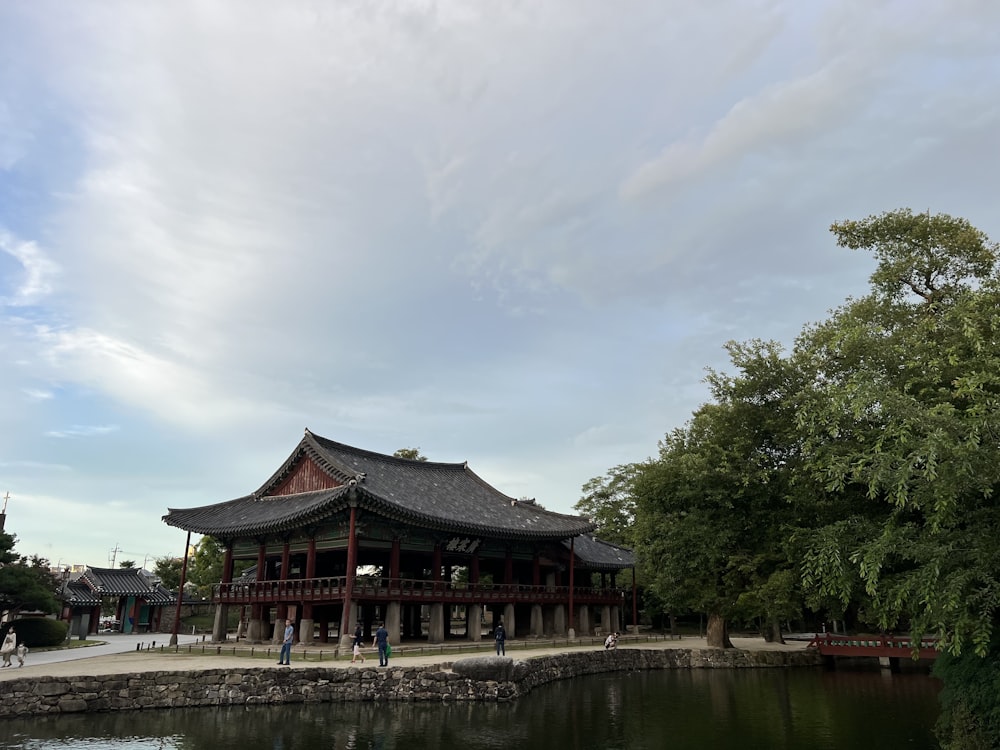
777,709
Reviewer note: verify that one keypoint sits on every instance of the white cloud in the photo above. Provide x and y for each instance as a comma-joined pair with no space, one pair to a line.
508,232
82,431
39,270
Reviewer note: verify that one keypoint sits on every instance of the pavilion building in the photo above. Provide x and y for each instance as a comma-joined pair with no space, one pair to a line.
339,535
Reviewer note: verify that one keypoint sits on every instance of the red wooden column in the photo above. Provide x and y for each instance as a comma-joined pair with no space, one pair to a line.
352,564
437,562
257,610
180,592
394,563
283,606
572,556
311,558
227,564
474,569
508,567
285,554
536,571
261,562
307,607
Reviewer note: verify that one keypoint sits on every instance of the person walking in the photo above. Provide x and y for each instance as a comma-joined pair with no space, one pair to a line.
382,644
358,637
9,646
501,638
285,657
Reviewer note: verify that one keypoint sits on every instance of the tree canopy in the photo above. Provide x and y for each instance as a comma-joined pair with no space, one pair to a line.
858,471
26,583
903,413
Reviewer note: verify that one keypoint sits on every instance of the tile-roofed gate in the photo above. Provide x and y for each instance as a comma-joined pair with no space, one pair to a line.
340,536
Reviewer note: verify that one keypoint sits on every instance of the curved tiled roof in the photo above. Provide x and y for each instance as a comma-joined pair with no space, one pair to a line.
440,496
94,583
596,554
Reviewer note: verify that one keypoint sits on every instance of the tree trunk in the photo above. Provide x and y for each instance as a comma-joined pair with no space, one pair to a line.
717,632
776,636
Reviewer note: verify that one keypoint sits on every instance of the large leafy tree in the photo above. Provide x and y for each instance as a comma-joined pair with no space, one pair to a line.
608,501
904,416
26,583
205,565
904,412
715,509
168,570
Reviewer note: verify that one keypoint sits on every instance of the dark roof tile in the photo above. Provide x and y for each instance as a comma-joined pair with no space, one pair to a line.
443,496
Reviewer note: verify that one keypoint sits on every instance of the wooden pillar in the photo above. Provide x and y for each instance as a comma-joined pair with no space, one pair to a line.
436,563
474,569
257,627
536,571
346,622
306,624
227,564
220,626
180,592
394,563
311,558
572,556
285,554
635,605
508,567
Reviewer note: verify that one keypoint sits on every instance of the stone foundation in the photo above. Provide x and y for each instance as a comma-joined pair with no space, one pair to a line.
487,678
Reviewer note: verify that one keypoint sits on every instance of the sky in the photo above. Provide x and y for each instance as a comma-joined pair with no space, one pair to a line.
509,233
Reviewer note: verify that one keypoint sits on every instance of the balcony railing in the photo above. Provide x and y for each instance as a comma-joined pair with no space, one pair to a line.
323,590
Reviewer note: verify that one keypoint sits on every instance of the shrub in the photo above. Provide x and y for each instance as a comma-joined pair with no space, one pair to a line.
38,632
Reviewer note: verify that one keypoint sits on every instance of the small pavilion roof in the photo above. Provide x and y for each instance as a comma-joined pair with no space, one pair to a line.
94,583
447,497
597,554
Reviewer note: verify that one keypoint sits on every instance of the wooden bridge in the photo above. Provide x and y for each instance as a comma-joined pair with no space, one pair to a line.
888,649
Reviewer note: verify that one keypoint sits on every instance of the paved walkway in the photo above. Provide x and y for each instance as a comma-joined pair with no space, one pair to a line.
122,654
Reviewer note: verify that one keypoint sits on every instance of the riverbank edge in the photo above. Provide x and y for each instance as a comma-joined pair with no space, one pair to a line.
482,678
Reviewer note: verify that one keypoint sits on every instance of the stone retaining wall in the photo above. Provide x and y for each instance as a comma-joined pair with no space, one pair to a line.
487,678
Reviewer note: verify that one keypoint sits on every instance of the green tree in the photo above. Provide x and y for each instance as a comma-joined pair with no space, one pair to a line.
168,570
26,583
715,510
903,416
904,412
609,502
205,565
127,564
412,454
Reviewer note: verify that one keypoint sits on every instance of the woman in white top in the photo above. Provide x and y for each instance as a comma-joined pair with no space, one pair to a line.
8,647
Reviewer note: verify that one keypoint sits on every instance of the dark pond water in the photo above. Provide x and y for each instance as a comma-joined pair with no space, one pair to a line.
714,709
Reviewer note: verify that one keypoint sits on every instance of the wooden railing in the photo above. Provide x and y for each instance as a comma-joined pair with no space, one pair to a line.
320,590
832,644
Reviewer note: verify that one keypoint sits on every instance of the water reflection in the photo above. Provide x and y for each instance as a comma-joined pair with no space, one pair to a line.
774,709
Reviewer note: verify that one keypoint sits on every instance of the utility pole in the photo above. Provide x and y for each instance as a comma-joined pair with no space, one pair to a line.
114,554
3,513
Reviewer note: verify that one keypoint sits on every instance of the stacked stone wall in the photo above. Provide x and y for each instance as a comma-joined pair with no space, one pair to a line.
473,679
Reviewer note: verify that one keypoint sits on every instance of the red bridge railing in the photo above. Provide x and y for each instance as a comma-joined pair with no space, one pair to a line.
831,644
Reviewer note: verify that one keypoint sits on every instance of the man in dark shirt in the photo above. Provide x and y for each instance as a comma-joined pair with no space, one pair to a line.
382,643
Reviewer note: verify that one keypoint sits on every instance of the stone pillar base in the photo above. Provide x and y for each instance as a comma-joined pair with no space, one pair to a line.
436,626
474,622
393,610
306,628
